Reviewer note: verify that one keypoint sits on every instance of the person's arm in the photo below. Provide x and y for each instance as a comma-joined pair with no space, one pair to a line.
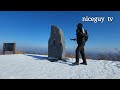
81,34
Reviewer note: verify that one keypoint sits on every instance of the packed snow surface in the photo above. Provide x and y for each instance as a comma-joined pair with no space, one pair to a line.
33,66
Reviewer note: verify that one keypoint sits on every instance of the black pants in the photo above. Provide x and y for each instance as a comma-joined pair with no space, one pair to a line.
80,50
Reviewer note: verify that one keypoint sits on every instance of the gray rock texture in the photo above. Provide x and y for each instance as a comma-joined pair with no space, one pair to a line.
56,43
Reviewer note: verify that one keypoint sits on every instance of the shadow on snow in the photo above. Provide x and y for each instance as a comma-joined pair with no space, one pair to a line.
52,60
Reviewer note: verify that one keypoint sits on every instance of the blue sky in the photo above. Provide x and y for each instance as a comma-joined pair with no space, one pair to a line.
32,28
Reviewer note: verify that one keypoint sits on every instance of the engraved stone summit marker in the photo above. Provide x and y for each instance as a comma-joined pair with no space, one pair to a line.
56,43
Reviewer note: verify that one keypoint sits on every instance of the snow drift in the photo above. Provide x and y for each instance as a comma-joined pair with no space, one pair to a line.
31,66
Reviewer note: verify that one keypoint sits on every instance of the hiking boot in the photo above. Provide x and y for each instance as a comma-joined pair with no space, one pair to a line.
84,63
76,63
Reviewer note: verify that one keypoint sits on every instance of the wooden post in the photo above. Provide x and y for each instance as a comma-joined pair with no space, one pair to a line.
3,48
14,47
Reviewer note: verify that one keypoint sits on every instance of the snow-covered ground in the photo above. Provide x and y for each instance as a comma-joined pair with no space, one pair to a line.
31,66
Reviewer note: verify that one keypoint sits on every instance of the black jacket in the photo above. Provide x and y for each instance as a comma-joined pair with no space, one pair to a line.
80,36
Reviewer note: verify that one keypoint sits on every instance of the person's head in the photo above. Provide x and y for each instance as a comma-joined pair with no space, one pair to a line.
79,25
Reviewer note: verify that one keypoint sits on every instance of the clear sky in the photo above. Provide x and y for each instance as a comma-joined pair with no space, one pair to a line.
32,28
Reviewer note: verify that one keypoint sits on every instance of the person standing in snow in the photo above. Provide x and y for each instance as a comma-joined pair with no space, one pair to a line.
81,38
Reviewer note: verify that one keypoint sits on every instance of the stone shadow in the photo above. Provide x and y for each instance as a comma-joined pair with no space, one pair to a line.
43,58
67,61
38,57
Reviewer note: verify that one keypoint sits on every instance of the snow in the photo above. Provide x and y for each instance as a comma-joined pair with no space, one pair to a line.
33,66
